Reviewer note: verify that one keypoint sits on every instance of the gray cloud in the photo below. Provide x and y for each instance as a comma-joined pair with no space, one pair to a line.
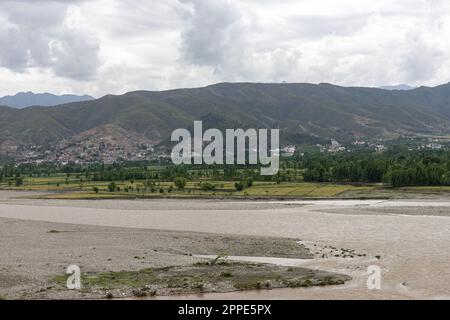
318,26
421,60
208,37
346,43
122,45
236,45
38,37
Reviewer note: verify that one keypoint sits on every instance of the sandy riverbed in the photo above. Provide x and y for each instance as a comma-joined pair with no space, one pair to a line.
408,239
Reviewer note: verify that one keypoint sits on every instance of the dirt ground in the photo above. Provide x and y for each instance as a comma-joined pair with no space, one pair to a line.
33,253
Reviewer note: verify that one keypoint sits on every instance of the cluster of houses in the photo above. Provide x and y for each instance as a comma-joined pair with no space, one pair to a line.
432,146
102,150
85,152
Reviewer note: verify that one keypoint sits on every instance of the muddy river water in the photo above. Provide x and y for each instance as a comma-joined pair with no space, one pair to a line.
408,239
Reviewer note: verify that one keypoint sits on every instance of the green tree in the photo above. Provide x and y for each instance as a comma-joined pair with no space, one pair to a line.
239,186
112,186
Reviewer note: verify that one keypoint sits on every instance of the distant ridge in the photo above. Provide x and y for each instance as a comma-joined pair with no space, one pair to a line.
304,113
398,87
27,99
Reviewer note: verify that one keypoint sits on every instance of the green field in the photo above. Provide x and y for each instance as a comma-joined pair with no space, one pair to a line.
298,189
74,187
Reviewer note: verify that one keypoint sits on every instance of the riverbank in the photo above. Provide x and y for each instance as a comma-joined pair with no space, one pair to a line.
122,262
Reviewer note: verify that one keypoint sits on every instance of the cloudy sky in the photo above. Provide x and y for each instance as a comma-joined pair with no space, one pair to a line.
114,46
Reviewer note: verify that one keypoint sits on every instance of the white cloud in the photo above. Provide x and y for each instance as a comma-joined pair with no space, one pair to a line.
38,36
113,46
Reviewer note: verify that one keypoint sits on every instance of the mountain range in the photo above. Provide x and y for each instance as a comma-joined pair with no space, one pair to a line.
28,99
398,87
304,113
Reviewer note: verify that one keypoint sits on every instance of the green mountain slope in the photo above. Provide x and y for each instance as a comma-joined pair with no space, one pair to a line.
303,112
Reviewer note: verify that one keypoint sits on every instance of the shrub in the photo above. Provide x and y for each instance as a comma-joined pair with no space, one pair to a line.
239,186
112,186
19,181
109,295
180,182
206,186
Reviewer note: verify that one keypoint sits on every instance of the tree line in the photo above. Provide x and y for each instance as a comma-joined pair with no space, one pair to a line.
417,168
397,168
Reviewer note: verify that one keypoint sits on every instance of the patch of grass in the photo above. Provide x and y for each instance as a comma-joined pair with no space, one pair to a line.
203,278
198,286
2,298
60,279
299,189
309,282
221,258
87,196
111,280
122,278
139,293
226,274
256,282
55,231
427,188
